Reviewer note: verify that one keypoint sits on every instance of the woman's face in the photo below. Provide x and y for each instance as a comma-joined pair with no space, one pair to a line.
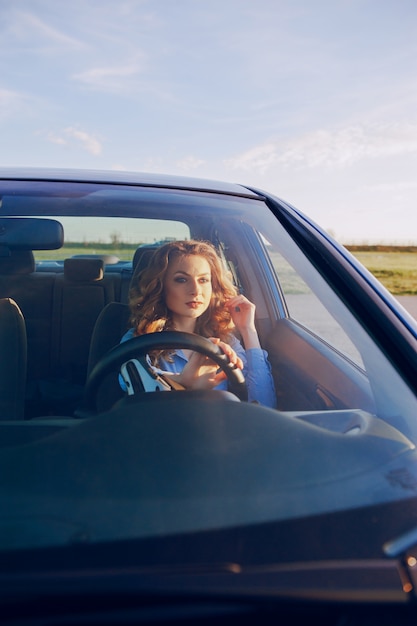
187,289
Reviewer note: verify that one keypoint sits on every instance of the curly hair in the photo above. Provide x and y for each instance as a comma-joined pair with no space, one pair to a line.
148,311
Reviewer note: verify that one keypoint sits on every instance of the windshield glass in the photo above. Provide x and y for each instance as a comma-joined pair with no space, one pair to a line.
88,458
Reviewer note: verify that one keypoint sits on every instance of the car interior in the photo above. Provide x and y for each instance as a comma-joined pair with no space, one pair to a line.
64,319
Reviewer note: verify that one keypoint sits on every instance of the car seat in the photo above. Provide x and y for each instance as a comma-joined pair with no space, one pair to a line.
111,325
13,360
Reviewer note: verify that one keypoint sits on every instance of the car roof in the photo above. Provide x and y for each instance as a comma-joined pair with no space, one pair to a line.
126,178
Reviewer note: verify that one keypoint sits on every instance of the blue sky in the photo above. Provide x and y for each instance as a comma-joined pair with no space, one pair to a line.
312,100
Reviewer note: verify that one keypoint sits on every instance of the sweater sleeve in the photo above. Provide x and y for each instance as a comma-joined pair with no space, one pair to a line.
257,373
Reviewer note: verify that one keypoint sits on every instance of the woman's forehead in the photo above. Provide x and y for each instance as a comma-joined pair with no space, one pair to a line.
193,264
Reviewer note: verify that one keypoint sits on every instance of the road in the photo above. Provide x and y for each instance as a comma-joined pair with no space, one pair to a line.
308,311
409,303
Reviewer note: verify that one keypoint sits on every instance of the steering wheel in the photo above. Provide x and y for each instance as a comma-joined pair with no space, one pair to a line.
166,340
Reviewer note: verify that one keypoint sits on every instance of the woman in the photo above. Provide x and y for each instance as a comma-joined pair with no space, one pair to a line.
185,288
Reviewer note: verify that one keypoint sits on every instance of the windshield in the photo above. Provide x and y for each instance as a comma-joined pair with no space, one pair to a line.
91,455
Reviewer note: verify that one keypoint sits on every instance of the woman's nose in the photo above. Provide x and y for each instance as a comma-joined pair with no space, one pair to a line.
195,286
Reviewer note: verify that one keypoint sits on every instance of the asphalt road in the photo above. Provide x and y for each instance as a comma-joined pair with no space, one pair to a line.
306,309
409,303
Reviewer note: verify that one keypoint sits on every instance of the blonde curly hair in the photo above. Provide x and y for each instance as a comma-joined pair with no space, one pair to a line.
148,311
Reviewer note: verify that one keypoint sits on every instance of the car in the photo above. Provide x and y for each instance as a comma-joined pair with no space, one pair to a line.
149,503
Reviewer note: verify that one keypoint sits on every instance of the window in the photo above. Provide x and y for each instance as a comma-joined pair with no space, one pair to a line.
111,236
306,308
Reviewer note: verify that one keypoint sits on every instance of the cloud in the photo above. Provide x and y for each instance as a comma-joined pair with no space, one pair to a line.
189,163
396,186
27,27
59,140
119,167
110,78
10,102
259,158
89,143
69,135
332,149
20,105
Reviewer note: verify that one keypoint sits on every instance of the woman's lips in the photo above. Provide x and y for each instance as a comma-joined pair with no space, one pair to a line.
194,304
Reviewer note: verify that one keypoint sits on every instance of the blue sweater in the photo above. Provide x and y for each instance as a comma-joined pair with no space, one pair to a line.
256,370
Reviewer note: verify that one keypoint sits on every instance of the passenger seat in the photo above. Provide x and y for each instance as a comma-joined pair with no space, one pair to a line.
33,293
13,351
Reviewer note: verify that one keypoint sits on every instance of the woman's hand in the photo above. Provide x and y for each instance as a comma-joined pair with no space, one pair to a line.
200,372
242,312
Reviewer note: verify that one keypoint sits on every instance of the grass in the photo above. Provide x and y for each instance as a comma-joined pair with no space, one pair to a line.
124,252
394,267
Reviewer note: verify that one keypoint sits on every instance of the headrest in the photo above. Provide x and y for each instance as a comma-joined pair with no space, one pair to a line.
139,262
17,262
83,270
141,258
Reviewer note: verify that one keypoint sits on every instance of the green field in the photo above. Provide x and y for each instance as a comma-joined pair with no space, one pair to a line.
123,251
395,267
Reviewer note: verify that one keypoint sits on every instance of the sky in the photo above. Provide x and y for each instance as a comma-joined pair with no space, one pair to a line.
314,101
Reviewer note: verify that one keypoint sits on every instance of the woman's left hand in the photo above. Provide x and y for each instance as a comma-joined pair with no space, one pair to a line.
242,312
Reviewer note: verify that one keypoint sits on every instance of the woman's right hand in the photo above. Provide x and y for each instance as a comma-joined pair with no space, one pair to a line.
200,372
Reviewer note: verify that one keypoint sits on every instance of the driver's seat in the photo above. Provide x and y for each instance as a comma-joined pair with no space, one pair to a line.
111,325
